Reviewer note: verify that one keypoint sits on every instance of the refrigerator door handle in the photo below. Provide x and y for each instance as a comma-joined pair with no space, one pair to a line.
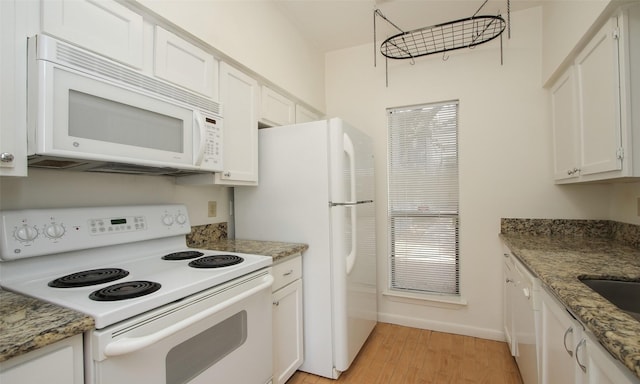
349,150
349,203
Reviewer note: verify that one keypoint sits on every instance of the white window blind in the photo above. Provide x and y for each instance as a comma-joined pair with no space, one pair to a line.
423,198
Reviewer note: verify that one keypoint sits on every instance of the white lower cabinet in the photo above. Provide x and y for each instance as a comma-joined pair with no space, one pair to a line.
57,363
570,354
561,335
287,319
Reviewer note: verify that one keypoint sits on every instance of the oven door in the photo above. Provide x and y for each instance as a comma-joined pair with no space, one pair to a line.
222,335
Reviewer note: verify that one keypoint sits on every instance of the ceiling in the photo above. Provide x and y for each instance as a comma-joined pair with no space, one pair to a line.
337,24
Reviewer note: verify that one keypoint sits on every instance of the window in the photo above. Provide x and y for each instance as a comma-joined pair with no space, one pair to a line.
423,198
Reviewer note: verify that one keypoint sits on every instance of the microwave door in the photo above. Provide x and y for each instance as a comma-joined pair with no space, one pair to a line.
81,116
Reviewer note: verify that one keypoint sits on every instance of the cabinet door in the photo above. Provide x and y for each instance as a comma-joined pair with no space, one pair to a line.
275,109
58,363
184,64
560,336
304,115
287,331
598,81
563,121
603,369
17,21
238,95
105,27
509,286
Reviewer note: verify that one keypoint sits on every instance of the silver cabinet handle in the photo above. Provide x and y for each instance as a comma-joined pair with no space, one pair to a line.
564,341
276,303
580,344
6,157
508,280
288,272
573,171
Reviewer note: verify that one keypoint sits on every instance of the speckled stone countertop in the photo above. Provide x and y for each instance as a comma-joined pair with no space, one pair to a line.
277,250
560,257
27,324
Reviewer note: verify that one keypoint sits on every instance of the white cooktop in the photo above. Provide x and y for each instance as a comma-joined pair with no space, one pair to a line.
27,268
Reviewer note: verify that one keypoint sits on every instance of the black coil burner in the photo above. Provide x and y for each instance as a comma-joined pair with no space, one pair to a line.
216,261
123,291
184,255
88,278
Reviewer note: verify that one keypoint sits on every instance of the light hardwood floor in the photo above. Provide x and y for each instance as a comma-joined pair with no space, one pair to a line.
400,355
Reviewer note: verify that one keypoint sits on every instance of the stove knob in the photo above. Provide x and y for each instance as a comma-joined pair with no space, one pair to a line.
167,220
181,218
26,233
54,231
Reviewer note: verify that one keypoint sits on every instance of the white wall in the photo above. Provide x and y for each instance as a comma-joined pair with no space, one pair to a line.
59,189
256,34
564,25
504,157
625,203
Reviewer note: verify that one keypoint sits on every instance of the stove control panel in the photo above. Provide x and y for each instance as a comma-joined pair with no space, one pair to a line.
35,232
108,225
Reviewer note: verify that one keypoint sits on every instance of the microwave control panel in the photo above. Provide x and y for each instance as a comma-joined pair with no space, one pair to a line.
212,159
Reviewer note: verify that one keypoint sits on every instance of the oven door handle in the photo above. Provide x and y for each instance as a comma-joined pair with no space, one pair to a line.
132,344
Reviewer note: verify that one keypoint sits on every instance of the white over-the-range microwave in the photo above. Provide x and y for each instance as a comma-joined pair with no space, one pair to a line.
89,113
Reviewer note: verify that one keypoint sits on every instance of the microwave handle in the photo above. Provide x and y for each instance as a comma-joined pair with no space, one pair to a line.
199,139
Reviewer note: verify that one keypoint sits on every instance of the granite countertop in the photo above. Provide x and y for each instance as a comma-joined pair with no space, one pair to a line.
558,261
27,324
279,251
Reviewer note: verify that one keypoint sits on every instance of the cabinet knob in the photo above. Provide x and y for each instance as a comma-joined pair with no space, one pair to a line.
6,157
573,171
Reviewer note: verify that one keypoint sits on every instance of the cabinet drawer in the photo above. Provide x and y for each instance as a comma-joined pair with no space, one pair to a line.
287,272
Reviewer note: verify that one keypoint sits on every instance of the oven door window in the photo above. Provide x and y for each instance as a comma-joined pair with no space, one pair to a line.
187,360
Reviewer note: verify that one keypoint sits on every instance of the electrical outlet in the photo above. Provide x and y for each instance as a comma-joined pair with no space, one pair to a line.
212,209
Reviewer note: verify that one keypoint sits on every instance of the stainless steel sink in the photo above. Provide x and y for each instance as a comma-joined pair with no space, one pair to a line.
623,294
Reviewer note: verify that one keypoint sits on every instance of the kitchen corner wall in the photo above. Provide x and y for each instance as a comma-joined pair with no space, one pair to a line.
504,159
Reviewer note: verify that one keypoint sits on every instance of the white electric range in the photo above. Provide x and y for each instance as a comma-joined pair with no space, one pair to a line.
150,295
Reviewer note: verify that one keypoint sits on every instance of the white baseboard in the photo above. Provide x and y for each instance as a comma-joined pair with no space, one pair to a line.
483,333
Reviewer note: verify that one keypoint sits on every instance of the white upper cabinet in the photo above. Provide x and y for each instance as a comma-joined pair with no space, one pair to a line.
304,115
105,27
597,72
239,98
565,127
184,64
276,109
596,131
18,19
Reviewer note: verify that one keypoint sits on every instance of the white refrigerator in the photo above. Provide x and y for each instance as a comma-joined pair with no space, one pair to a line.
317,187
